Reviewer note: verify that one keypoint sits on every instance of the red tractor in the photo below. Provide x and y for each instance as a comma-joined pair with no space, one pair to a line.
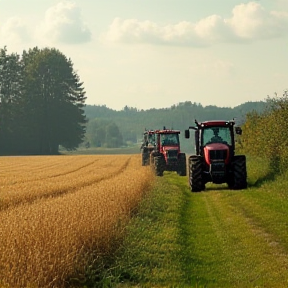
148,145
167,155
215,160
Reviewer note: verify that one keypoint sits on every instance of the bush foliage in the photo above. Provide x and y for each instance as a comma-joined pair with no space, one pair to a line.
265,134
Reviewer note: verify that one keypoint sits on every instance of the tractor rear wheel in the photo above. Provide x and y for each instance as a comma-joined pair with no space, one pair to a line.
195,174
239,177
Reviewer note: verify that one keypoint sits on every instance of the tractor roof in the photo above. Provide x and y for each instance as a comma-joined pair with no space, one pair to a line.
167,131
211,123
149,132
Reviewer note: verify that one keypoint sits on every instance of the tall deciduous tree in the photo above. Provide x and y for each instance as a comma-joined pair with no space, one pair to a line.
11,87
54,97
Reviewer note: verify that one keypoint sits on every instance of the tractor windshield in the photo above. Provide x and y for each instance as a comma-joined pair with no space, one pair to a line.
169,139
151,139
216,135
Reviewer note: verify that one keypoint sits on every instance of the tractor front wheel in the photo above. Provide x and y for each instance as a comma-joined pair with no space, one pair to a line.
239,177
159,163
195,174
182,165
145,157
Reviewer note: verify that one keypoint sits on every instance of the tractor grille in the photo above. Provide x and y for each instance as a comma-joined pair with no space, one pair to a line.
217,167
218,154
172,153
217,172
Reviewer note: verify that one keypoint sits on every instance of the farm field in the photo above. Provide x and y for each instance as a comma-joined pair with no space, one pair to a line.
216,238
106,221
61,214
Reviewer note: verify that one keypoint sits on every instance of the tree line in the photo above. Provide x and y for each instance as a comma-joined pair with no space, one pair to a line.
103,133
41,102
132,122
42,108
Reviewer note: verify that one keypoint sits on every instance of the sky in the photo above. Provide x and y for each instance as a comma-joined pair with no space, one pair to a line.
158,53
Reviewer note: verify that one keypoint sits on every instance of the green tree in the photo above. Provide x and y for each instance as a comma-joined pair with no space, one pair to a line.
10,100
55,98
103,133
113,136
96,132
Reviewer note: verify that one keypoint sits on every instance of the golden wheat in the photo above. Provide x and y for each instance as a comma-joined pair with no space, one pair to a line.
45,240
32,180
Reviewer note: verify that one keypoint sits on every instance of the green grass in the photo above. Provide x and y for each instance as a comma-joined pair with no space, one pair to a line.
151,252
216,238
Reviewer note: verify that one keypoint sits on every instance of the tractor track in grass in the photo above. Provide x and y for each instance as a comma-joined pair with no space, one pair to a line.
229,238
251,253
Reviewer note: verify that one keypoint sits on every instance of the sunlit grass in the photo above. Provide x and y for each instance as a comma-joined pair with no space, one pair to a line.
217,238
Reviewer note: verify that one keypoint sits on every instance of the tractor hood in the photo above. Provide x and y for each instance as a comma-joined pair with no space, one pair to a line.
216,152
171,151
169,148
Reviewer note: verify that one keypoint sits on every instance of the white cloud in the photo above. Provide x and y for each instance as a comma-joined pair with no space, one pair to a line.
248,22
15,31
213,29
134,31
63,24
252,21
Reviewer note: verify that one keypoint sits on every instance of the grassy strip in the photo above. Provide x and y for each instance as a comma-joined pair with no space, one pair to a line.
216,238
151,254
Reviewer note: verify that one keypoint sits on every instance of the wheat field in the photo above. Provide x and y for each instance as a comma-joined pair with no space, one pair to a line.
61,213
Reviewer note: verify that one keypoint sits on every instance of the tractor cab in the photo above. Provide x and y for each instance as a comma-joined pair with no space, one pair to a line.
148,145
148,138
168,144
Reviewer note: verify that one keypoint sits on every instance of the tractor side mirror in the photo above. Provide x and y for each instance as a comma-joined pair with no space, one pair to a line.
238,130
187,134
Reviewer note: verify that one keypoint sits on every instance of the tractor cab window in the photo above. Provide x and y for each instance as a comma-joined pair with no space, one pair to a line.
217,135
151,139
169,139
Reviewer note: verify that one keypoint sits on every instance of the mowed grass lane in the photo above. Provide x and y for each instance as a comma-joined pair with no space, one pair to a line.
216,238
232,245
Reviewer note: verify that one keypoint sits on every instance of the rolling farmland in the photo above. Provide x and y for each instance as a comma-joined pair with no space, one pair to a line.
60,213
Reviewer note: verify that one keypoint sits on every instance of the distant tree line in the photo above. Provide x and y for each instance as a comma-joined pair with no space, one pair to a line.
132,122
41,103
103,133
42,108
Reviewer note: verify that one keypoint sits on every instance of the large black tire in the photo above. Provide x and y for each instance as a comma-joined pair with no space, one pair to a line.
195,174
151,159
159,165
182,169
239,177
145,157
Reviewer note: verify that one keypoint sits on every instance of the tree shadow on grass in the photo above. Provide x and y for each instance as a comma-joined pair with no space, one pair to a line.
269,177
274,171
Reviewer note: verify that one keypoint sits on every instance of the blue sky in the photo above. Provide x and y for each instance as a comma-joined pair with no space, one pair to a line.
157,53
